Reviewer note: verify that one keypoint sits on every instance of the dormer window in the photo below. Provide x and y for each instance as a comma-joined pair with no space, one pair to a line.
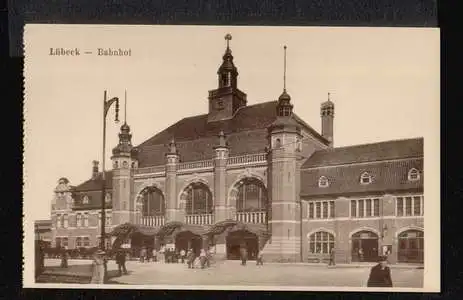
85,199
365,178
413,174
323,182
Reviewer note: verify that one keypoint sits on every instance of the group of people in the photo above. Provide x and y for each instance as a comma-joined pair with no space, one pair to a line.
244,256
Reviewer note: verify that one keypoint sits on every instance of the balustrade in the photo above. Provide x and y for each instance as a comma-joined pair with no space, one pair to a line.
254,217
247,159
152,221
196,165
199,219
149,170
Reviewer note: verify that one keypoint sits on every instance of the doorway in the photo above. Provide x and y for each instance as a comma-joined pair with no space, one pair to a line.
188,240
236,239
365,246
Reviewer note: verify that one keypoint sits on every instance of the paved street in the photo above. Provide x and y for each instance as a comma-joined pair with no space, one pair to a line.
232,273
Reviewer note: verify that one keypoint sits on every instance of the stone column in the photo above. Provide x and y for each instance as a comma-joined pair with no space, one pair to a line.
172,158
220,180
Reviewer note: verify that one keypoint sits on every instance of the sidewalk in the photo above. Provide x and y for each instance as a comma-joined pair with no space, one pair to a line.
352,265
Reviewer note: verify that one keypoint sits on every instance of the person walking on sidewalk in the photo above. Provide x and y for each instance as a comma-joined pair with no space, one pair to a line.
260,258
380,275
120,260
332,257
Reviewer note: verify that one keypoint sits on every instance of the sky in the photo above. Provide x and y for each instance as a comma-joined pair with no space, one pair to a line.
384,83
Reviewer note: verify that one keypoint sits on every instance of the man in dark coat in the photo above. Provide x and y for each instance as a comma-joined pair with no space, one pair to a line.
120,260
244,255
380,275
332,257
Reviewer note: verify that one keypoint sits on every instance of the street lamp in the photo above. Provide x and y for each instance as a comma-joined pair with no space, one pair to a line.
106,105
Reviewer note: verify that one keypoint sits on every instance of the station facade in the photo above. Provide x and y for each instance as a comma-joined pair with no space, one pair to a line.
254,175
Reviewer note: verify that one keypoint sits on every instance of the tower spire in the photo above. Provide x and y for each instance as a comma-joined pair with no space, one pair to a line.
284,70
228,38
125,107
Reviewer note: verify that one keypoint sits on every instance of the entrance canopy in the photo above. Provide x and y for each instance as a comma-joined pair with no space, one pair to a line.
128,229
233,225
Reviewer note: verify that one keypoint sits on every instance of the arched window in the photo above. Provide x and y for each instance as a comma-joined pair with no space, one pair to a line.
411,246
198,199
413,175
252,195
153,202
365,178
108,197
321,242
85,199
323,182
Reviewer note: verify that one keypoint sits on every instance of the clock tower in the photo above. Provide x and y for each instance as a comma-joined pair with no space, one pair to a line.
227,98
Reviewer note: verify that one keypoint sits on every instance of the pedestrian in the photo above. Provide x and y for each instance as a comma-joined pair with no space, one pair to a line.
361,254
260,258
98,268
142,254
380,275
202,258
190,259
182,255
64,258
244,255
120,260
155,255
332,257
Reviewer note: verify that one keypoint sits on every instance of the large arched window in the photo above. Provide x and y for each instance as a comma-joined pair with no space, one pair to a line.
321,242
411,246
252,195
153,202
198,199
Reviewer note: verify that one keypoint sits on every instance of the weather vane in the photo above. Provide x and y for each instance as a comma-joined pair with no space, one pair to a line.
284,70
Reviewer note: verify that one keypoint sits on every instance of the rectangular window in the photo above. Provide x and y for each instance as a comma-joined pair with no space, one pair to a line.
332,214
376,207
58,221
86,242
86,220
65,222
325,210
78,220
361,208
64,242
108,219
78,242
400,206
318,210
353,208
408,206
416,206
368,208
311,210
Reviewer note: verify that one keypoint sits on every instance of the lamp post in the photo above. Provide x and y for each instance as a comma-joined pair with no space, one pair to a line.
106,105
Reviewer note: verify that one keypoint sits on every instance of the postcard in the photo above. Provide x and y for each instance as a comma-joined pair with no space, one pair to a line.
213,157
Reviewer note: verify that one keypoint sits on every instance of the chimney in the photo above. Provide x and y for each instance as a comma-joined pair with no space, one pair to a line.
95,169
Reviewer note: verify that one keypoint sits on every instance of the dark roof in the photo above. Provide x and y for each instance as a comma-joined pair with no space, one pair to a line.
95,184
388,150
387,176
195,137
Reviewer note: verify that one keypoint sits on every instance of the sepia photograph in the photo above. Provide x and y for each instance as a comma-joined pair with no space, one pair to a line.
214,157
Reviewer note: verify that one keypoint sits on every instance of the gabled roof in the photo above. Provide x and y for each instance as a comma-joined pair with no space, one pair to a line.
195,137
388,150
95,184
387,176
